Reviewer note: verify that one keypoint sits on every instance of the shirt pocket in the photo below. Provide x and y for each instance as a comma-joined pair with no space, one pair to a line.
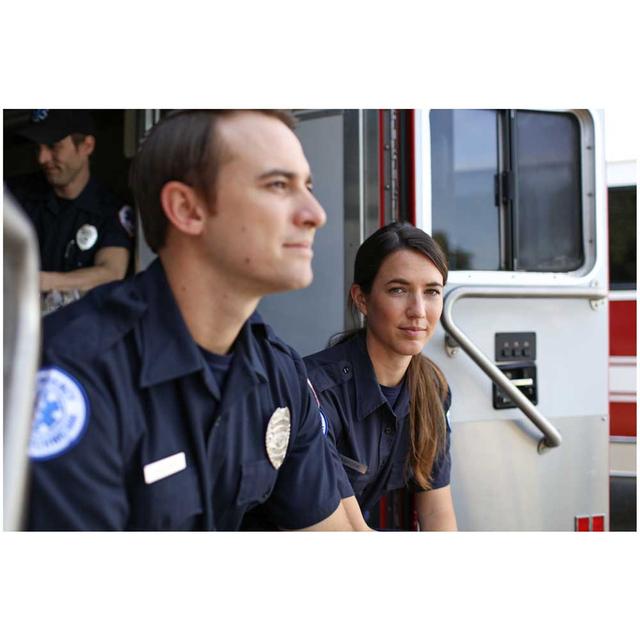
173,503
256,484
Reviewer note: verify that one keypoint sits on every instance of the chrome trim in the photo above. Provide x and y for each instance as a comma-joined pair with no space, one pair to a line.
623,295
622,474
621,397
623,361
623,439
361,174
21,355
552,437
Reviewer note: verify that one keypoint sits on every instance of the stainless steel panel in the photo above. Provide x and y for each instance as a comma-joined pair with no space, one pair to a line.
572,356
500,483
307,318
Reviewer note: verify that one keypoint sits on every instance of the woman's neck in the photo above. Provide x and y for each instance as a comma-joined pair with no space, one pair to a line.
388,366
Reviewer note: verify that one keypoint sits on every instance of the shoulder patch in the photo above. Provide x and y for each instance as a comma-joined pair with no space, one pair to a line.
324,421
61,414
127,220
323,418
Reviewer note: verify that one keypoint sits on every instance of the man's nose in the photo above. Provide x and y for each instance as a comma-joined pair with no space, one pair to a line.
44,154
310,212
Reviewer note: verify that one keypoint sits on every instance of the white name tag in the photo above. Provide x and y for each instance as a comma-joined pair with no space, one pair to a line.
159,469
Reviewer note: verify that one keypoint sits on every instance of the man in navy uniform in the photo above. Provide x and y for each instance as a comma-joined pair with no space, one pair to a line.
164,401
84,231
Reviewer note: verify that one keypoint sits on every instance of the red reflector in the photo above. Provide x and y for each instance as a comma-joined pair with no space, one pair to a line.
582,523
598,523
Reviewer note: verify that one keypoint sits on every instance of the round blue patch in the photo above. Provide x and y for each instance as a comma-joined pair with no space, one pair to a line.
127,220
38,115
61,414
324,421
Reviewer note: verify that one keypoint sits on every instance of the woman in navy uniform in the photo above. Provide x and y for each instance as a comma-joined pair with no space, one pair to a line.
383,402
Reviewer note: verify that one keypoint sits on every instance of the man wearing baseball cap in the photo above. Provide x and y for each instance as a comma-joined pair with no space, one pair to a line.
84,231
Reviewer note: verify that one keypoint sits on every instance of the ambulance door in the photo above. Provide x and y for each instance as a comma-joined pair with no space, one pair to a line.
517,199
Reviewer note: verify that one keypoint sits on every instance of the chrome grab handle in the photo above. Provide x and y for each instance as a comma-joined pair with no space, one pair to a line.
551,436
21,354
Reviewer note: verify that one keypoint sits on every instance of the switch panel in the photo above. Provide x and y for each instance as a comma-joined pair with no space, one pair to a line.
515,346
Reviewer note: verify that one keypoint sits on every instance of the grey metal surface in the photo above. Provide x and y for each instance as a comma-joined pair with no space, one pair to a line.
21,333
500,483
552,437
306,319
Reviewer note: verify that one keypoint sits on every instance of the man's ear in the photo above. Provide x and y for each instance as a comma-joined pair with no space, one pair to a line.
359,299
183,207
88,145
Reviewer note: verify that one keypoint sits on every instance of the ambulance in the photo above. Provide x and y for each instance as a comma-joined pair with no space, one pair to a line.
518,200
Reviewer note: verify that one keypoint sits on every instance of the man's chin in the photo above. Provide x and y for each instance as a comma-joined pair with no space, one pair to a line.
292,282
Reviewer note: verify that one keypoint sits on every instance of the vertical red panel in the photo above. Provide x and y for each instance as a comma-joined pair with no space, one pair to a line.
598,523
411,169
622,419
414,513
622,327
381,163
383,512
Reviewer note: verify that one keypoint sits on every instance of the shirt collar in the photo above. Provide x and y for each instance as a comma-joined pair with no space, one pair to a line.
168,350
87,199
369,396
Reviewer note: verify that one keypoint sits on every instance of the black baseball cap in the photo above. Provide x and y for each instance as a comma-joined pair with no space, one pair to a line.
50,125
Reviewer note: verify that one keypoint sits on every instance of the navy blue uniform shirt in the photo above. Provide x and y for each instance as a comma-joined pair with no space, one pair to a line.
131,432
57,222
371,439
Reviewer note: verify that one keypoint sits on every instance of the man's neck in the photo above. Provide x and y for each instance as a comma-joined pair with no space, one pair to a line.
213,309
74,188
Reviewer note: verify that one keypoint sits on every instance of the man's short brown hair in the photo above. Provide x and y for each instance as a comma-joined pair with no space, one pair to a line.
183,146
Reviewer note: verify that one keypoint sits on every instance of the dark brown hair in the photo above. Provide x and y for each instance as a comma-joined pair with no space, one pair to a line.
428,388
183,146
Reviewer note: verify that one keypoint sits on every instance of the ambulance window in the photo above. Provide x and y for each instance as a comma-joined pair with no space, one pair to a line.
548,215
464,161
506,189
622,237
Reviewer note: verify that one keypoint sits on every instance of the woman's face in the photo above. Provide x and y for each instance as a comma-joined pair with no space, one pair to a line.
404,305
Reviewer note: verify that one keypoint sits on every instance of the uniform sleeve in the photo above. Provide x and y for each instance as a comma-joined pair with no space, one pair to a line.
119,228
306,491
77,475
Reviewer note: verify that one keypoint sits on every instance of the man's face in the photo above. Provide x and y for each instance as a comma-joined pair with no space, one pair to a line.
264,216
62,161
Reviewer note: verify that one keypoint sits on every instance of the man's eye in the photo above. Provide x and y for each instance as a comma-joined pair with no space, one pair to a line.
433,292
396,290
278,185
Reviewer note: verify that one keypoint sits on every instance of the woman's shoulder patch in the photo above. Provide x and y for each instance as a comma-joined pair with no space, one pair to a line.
61,414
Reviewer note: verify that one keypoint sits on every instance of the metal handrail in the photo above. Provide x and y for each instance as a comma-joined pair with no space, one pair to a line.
551,436
21,353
